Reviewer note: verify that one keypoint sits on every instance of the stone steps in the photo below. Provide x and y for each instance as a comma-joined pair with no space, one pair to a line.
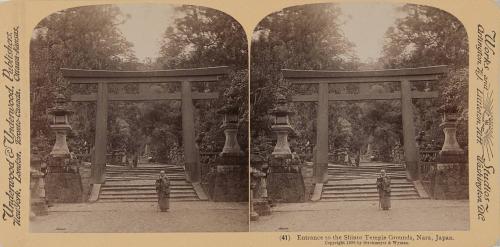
350,177
124,184
363,172
361,181
367,166
142,182
144,173
142,188
133,191
373,194
365,186
151,177
352,168
394,191
344,178
348,183
119,200
141,171
146,197
367,198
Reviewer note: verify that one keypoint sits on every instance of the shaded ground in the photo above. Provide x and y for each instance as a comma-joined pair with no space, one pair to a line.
405,215
144,217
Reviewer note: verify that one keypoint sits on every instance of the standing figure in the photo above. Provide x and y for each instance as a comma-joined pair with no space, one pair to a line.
135,161
347,160
357,159
163,191
384,190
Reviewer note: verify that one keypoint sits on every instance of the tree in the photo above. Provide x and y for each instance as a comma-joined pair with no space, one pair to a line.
427,36
84,38
302,37
204,37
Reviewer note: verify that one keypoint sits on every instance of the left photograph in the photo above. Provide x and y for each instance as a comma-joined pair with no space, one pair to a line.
139,120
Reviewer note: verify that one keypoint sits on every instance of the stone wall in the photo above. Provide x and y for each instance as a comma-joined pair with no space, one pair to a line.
84,169
450,181
308,175
285,187
228,181
285,182
63,187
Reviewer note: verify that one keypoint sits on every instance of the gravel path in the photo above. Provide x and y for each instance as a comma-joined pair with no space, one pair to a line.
143,217
405,215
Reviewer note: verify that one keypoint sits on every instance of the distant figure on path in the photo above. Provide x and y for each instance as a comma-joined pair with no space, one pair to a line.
136,160
163,191
384,190
347,159
357,159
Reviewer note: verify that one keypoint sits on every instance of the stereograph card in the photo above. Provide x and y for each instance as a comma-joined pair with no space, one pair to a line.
249,123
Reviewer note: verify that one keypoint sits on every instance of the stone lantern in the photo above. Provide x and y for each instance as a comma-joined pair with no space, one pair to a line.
449,125
37,185
231,173
230,126
253,185
450,179
60,125
259,196
282,128
284,181
254,216
63,182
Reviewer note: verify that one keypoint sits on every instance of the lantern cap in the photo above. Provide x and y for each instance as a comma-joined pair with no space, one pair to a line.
448,108
281,106
61,106
60,98
229,109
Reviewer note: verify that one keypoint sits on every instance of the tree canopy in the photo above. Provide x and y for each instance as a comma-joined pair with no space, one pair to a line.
90,38
427,36
205,37
306,37
310,37
302,37
84,38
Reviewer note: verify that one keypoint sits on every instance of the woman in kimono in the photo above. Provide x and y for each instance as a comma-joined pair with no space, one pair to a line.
384,190
163,191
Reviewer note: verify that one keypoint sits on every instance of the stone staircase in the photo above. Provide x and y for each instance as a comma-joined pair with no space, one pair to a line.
349,183
124,184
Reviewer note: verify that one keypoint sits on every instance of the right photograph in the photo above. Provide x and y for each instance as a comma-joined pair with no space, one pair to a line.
359,120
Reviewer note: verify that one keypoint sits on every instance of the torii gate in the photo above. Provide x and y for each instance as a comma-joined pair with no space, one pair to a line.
184,76
406,95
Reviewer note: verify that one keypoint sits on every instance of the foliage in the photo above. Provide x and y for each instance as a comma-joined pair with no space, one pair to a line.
89,38
427,36
303,37
204,37
309,37
84,38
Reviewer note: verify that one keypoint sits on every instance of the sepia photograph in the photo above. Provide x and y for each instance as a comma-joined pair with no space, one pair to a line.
139,120
359,120
258,123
